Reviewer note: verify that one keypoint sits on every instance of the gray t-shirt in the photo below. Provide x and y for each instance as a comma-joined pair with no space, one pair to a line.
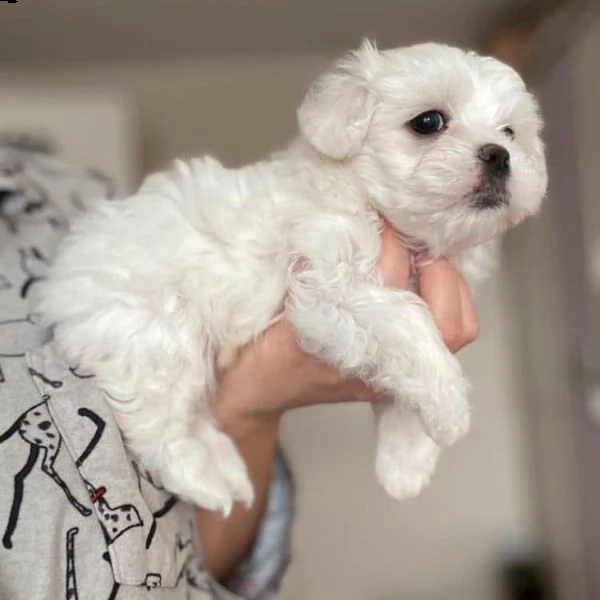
79,519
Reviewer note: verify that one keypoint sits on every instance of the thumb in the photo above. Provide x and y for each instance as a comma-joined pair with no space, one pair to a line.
394,259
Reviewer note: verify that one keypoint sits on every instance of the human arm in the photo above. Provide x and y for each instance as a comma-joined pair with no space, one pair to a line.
273,375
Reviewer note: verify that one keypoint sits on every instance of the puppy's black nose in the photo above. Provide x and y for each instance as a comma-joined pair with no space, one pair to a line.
496,159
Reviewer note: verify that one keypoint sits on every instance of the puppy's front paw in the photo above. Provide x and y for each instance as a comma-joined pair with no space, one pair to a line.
405,457
446,415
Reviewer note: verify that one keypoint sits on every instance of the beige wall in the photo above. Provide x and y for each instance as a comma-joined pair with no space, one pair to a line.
96,128
544,379
549,381
352,542
238,111
587,95
355,544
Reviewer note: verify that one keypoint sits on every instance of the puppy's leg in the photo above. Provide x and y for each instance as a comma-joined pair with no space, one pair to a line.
386,337
159,380
345,316
159,383
192,458
405,456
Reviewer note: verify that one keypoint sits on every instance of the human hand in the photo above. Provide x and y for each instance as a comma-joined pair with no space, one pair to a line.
273,374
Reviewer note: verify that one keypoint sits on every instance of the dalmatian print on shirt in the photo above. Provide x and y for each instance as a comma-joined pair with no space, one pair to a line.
115,520
24,201
33,220
34,266
116,532
36,428
71,592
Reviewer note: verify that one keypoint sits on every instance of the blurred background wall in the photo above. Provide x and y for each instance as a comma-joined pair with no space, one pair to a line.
152,83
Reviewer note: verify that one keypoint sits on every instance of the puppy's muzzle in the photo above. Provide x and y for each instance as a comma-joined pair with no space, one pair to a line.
492,192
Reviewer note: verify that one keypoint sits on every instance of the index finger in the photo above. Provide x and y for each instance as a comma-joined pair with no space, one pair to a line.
439,286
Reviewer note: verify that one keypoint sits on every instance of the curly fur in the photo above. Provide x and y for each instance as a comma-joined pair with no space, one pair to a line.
153,293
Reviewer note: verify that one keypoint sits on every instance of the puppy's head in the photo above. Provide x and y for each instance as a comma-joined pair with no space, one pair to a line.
446,143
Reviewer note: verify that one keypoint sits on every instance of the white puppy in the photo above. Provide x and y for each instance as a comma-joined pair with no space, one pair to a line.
154,292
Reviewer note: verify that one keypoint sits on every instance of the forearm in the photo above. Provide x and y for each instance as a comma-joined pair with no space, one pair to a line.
226,541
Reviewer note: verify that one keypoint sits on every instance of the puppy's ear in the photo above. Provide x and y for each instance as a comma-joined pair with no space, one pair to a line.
337,110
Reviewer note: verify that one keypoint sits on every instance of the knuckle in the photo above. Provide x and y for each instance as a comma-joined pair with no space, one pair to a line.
453,336
473,331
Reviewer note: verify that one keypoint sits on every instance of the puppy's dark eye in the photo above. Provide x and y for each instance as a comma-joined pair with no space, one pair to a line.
432,121
509,132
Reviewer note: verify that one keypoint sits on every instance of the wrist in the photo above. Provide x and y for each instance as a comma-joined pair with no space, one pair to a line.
238,422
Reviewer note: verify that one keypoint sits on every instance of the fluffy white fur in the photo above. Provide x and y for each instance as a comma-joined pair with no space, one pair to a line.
153,292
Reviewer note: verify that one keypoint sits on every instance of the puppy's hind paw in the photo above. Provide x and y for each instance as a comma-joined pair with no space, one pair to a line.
190,469
231,466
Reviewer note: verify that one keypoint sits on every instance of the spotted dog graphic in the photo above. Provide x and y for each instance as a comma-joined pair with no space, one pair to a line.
116,586
185,551
152,581
52,383
71,579
196,576
25,202
34,266
100,426
170,502
167,501
115,520
190,567
145,475
36,428
77,372
34,440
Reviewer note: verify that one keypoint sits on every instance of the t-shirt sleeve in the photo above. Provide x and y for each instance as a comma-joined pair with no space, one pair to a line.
259,575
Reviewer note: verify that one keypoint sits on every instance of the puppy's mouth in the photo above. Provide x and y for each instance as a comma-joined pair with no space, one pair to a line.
491,194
